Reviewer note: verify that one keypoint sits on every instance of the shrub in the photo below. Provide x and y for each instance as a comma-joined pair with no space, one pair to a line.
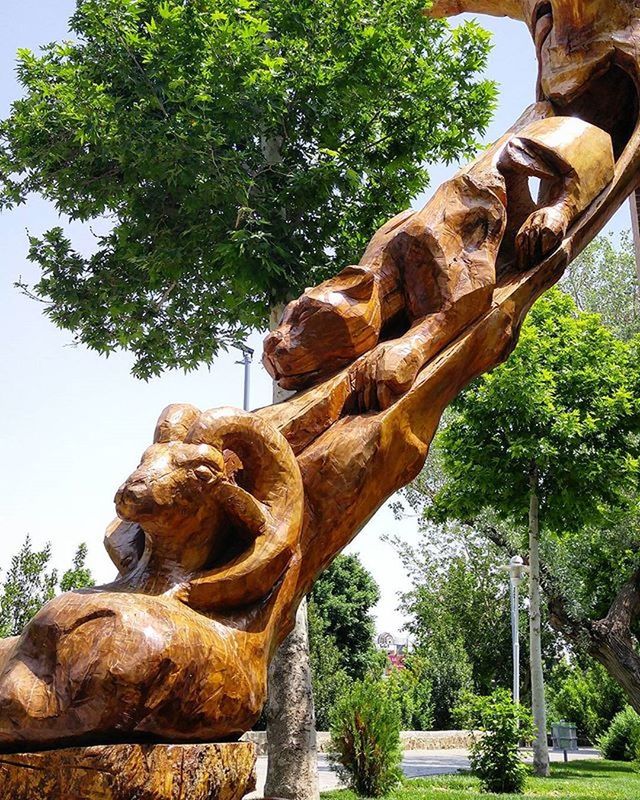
622,741
365,739
410,688
586,696
494,755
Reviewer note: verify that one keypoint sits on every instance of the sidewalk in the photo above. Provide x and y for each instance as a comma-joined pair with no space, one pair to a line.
415,764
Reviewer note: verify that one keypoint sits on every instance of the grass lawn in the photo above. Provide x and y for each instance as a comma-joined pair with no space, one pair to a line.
580,780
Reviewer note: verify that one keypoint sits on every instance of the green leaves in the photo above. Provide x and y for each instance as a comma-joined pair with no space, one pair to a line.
566,401
494,756
365,740
343,597
30,583
240,150
603,280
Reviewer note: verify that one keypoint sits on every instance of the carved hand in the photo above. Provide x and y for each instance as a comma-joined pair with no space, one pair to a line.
541,233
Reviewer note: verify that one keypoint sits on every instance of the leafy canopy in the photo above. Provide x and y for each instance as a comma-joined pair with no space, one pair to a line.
343,598
30,583
458,596
328,677
603,279
565,404
585,694
239,150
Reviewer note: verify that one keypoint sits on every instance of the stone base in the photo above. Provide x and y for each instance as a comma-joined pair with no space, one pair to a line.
131,772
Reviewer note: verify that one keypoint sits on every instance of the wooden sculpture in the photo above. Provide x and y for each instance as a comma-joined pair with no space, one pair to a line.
430,273
230,516
176,648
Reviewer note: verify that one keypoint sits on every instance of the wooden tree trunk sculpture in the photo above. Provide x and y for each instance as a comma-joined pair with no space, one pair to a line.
230,516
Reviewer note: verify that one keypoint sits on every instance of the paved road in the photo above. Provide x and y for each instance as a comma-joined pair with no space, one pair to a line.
415,764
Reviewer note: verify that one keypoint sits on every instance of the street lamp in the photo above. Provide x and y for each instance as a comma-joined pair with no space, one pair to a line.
517,570
247,356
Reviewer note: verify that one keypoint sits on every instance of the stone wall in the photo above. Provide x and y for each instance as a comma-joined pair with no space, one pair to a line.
411,740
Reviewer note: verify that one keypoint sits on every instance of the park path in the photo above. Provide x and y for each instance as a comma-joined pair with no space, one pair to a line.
415,764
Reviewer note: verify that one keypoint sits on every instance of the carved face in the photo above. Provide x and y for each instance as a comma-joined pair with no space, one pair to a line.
173,477
218,490
342,311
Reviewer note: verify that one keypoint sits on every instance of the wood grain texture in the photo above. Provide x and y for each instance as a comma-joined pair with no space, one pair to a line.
434,271
230,516
176,648
131,772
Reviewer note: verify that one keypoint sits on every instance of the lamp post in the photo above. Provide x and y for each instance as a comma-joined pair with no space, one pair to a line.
516,573
247,356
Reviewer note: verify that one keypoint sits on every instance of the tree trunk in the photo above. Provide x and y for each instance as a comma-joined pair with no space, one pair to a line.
292,770
608,640
634,202
540,748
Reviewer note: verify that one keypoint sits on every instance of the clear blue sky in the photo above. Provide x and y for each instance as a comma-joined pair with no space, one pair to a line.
73,424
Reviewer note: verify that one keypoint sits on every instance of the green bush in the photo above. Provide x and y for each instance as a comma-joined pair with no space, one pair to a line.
410,689
585,695
365,739
494,755
622,741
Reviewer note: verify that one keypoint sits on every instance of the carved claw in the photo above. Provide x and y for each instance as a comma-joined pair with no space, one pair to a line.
542,232
384,375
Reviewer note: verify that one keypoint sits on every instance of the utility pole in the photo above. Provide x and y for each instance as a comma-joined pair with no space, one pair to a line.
247,357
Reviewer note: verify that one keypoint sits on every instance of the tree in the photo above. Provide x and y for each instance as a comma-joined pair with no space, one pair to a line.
549,431
239,150
410,687
458,609
78,576
458,589
583,692
603,279
341,632
30,583
26,588
593,588
447,667
343,598
591,581
330,681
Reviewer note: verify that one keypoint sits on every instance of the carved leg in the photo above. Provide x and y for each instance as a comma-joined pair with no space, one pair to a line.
574,162
391,368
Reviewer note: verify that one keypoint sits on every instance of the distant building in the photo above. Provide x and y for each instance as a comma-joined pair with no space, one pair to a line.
396,647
